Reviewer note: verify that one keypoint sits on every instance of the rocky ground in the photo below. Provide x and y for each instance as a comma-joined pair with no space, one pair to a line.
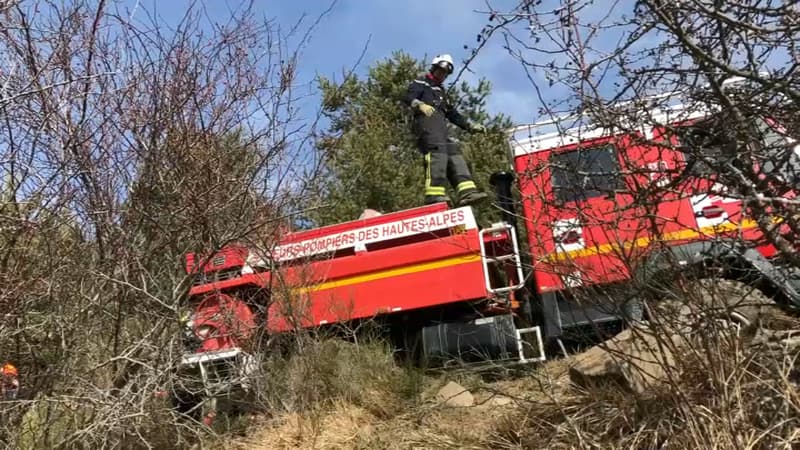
472,413
665,384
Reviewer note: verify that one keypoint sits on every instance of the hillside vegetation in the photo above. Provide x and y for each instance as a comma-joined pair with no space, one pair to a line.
727,392
129,140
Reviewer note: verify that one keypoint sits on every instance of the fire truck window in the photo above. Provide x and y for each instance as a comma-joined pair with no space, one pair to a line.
701,143
708,141
584,173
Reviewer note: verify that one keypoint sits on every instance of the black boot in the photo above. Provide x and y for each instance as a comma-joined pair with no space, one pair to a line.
431,199
471,197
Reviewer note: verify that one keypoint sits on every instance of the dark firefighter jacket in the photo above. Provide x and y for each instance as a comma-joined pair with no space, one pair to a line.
432,131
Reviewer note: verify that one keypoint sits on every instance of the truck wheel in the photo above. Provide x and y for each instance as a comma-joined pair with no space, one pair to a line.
729,299
732,302
188,405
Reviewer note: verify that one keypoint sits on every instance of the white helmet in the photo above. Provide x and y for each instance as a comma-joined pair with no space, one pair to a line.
444,61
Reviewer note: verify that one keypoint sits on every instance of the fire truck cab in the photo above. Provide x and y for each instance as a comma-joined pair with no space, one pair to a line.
610,208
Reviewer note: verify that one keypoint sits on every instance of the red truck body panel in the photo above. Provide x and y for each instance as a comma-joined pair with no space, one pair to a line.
420,275
408,260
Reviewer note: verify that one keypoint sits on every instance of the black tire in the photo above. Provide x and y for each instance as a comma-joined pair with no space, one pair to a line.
730,299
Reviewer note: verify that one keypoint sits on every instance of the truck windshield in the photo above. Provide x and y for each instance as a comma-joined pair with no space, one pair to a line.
708,146
778,156
701,143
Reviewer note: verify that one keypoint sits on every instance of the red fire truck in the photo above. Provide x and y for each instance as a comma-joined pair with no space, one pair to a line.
593,218
429,271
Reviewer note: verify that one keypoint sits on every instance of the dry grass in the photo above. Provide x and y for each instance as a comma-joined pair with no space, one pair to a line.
725,397
342,425
362,400
338,426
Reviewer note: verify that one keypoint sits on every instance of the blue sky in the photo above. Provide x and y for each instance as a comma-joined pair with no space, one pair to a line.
419,27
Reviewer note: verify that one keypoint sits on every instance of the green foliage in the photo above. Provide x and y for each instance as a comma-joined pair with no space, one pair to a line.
61,423
49,425
370,153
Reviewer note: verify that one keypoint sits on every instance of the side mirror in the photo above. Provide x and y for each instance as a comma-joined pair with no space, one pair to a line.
501,181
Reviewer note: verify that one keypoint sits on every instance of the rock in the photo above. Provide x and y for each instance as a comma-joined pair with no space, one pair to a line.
786,341
642,357
636,359
498,400
455,395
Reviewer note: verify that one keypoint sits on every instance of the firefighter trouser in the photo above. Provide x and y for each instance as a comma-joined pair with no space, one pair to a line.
445,163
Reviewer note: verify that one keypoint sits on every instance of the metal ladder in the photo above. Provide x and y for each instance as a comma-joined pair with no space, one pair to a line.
513,256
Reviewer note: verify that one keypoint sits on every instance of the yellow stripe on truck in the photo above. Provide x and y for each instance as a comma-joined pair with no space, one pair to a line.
398,271
580,253
645,241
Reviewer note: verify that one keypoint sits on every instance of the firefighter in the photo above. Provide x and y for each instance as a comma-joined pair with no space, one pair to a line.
443,158
10,381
